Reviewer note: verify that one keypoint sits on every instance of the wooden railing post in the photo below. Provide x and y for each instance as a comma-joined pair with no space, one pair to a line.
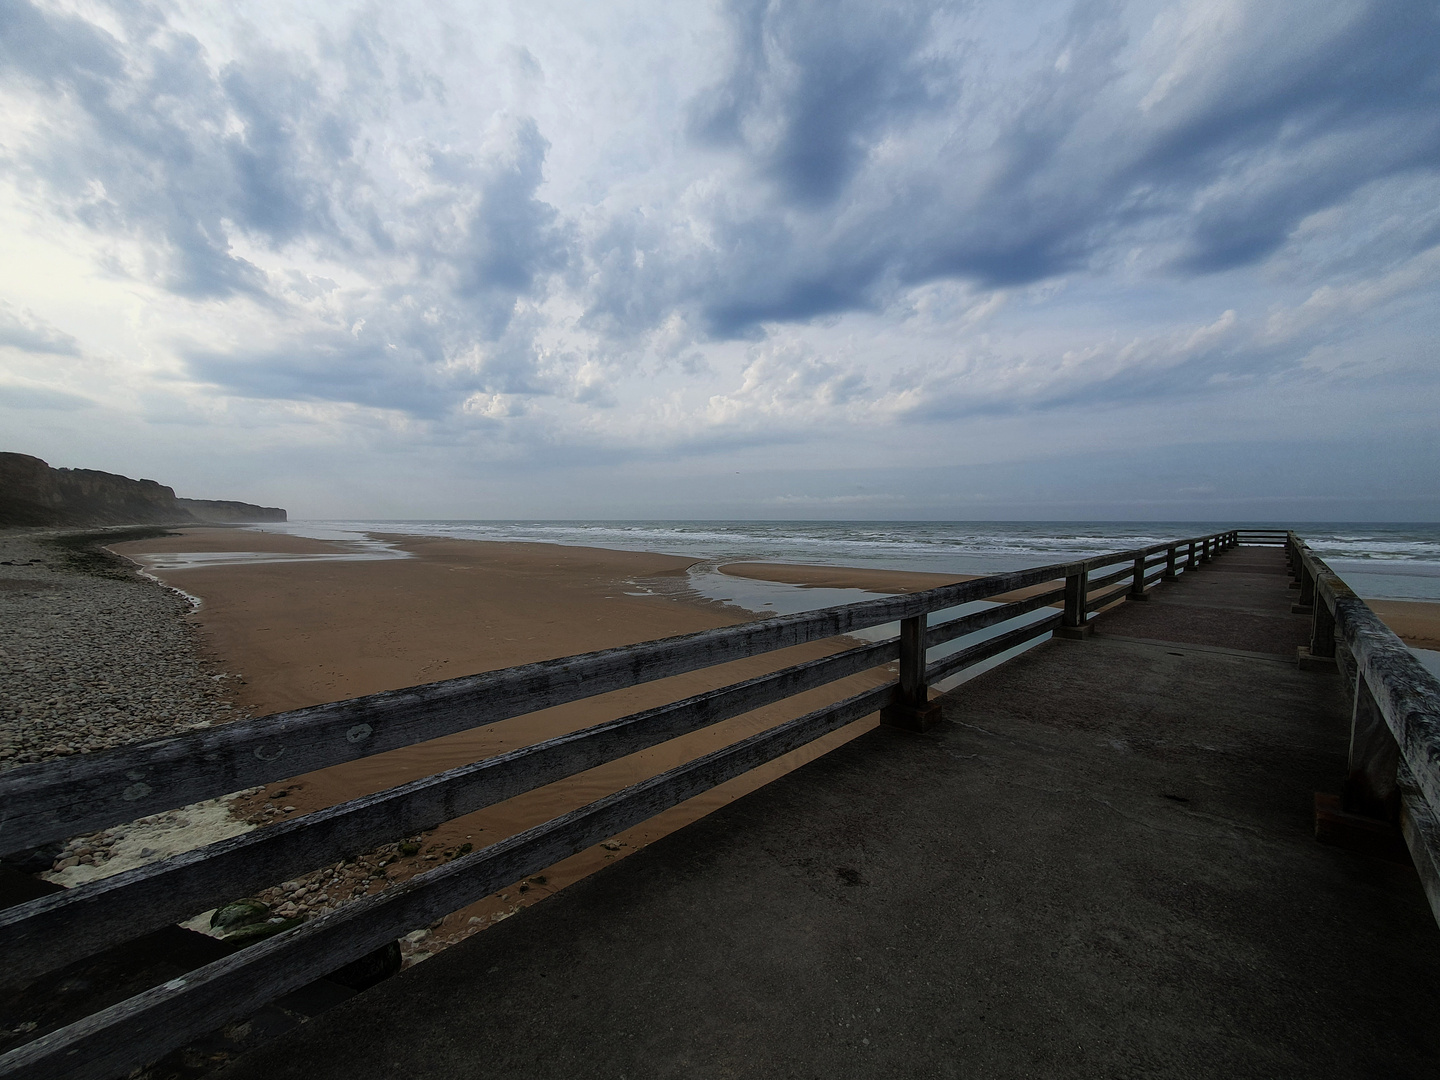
1073,623
1322,631
1137,585
1170,555
1371,788
911,707
1306,603
1320,654
1190,559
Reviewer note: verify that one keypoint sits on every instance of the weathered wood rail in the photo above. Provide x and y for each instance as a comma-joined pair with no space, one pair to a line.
1393,777
59,799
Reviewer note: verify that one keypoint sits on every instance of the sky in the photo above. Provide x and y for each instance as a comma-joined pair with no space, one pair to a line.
855,260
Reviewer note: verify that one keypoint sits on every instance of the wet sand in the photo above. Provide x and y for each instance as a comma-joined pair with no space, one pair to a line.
1415,622
841,577
306,632
877,581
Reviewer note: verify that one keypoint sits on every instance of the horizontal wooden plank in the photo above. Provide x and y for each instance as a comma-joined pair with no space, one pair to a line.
51,931
1095,601
1124,574
143,1028
1116,565
979,620
949,665
57,799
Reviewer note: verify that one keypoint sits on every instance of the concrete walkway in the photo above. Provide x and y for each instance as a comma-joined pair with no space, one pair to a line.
1100,865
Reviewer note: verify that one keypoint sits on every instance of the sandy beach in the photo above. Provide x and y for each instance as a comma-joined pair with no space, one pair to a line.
305,632
1415,622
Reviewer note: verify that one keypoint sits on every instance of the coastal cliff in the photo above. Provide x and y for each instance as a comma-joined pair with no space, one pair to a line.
34,494
224,510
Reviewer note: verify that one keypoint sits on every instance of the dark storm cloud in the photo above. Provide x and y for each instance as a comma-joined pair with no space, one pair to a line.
1362,105
813,84
320,367
512,238
1059,167
165,149
399,355
188,156
397,347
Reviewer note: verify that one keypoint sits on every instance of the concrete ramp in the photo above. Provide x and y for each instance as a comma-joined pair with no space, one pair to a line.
1101,864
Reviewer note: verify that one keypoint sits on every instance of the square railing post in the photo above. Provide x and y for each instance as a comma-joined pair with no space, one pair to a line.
1322,631
1319,655
1190,559
1371,786
911,707
1073,622
1137,583
1306,603
1170,554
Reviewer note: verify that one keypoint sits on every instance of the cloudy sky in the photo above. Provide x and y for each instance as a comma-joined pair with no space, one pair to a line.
739,259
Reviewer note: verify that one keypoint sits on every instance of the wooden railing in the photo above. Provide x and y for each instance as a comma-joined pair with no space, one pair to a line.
1263,537
1393,774
59,799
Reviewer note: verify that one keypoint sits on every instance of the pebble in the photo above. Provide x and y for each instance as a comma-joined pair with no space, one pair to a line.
94,660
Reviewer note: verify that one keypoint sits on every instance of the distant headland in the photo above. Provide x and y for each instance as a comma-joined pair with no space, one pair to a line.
34,494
